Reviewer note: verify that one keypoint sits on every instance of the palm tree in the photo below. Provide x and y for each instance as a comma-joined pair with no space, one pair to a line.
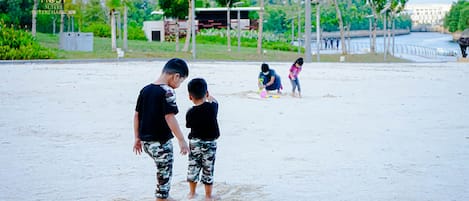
113,5
228,4
341,26
397,6
33,26
175,9
261,22
376,7
189,28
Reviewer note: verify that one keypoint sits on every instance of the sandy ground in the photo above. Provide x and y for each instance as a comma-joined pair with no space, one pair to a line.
362,132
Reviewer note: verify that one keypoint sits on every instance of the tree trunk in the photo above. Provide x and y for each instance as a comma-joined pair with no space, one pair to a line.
62,15
113,31
34,15
261,22
374,25
189,29
125,45
177,34
392,33
228,25
341,26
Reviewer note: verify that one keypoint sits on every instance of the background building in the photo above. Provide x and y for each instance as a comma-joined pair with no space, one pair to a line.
427,17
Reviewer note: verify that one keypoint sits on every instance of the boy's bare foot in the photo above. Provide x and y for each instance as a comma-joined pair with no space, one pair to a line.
191,196
211,198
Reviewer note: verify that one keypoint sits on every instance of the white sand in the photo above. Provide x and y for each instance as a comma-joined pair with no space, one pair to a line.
362,132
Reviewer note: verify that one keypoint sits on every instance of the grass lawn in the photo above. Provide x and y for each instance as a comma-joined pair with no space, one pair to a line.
164,50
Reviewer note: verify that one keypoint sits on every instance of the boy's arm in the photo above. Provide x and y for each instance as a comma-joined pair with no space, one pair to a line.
137,143
211,99
271,82
174,126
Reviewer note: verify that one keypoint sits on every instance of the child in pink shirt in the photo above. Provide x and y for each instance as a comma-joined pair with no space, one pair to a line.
295,69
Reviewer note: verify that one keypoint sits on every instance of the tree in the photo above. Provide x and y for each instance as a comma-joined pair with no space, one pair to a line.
457,19
113,6
397,6
376,7
33,26
177,9
189,28
276,17
341,27
261,26
228,4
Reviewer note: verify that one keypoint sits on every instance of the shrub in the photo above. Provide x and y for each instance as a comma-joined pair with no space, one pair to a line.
136,33
98,29
19,44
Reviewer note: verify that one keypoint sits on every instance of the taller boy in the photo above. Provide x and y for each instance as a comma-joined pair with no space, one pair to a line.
155,123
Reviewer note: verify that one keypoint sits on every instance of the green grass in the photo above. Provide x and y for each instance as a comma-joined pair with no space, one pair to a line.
164,50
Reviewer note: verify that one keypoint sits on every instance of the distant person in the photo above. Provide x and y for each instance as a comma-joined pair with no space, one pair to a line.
202,120
325,43
155,123
337,43
332,43
269,80
295,70
463,42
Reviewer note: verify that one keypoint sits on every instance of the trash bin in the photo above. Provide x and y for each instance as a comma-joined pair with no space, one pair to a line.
76,41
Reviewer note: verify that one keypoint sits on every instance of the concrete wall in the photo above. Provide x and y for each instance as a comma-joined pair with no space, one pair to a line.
150,26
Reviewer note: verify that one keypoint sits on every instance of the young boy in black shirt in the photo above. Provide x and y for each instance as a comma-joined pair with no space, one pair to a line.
202,120
155,123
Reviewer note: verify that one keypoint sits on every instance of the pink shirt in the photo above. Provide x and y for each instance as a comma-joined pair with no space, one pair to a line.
295,70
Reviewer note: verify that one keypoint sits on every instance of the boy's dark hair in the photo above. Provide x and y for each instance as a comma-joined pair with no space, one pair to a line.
265,67
197,88
299,61
176,65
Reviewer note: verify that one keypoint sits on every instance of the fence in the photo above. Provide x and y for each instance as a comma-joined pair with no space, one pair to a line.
398,49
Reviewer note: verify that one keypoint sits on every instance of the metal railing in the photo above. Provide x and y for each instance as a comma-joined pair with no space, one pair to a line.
399,49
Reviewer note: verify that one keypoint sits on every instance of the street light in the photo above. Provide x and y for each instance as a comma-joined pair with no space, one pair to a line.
369,19
318,22
237,4
308,31
193,30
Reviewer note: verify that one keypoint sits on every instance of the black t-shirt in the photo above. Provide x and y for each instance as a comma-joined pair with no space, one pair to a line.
153,103
202,120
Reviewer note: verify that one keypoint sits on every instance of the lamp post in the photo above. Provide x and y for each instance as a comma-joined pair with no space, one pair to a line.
318,29
299,26
369,19
193,30
292,29
237,4
308,31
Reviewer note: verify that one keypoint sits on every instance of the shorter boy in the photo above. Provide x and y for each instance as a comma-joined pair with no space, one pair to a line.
202,120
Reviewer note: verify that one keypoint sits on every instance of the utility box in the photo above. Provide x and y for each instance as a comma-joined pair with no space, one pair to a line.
76,41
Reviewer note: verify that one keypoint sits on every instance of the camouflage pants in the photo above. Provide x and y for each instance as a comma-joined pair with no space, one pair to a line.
201,157
162,154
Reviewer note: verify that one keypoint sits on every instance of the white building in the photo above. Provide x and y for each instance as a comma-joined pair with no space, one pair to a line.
427,14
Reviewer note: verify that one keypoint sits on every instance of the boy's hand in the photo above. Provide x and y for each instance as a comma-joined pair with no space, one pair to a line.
138,146
183,147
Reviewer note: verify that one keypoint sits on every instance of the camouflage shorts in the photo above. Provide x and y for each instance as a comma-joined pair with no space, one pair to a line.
162,154
201,157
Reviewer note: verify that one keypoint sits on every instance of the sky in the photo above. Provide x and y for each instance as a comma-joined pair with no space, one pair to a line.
430,1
